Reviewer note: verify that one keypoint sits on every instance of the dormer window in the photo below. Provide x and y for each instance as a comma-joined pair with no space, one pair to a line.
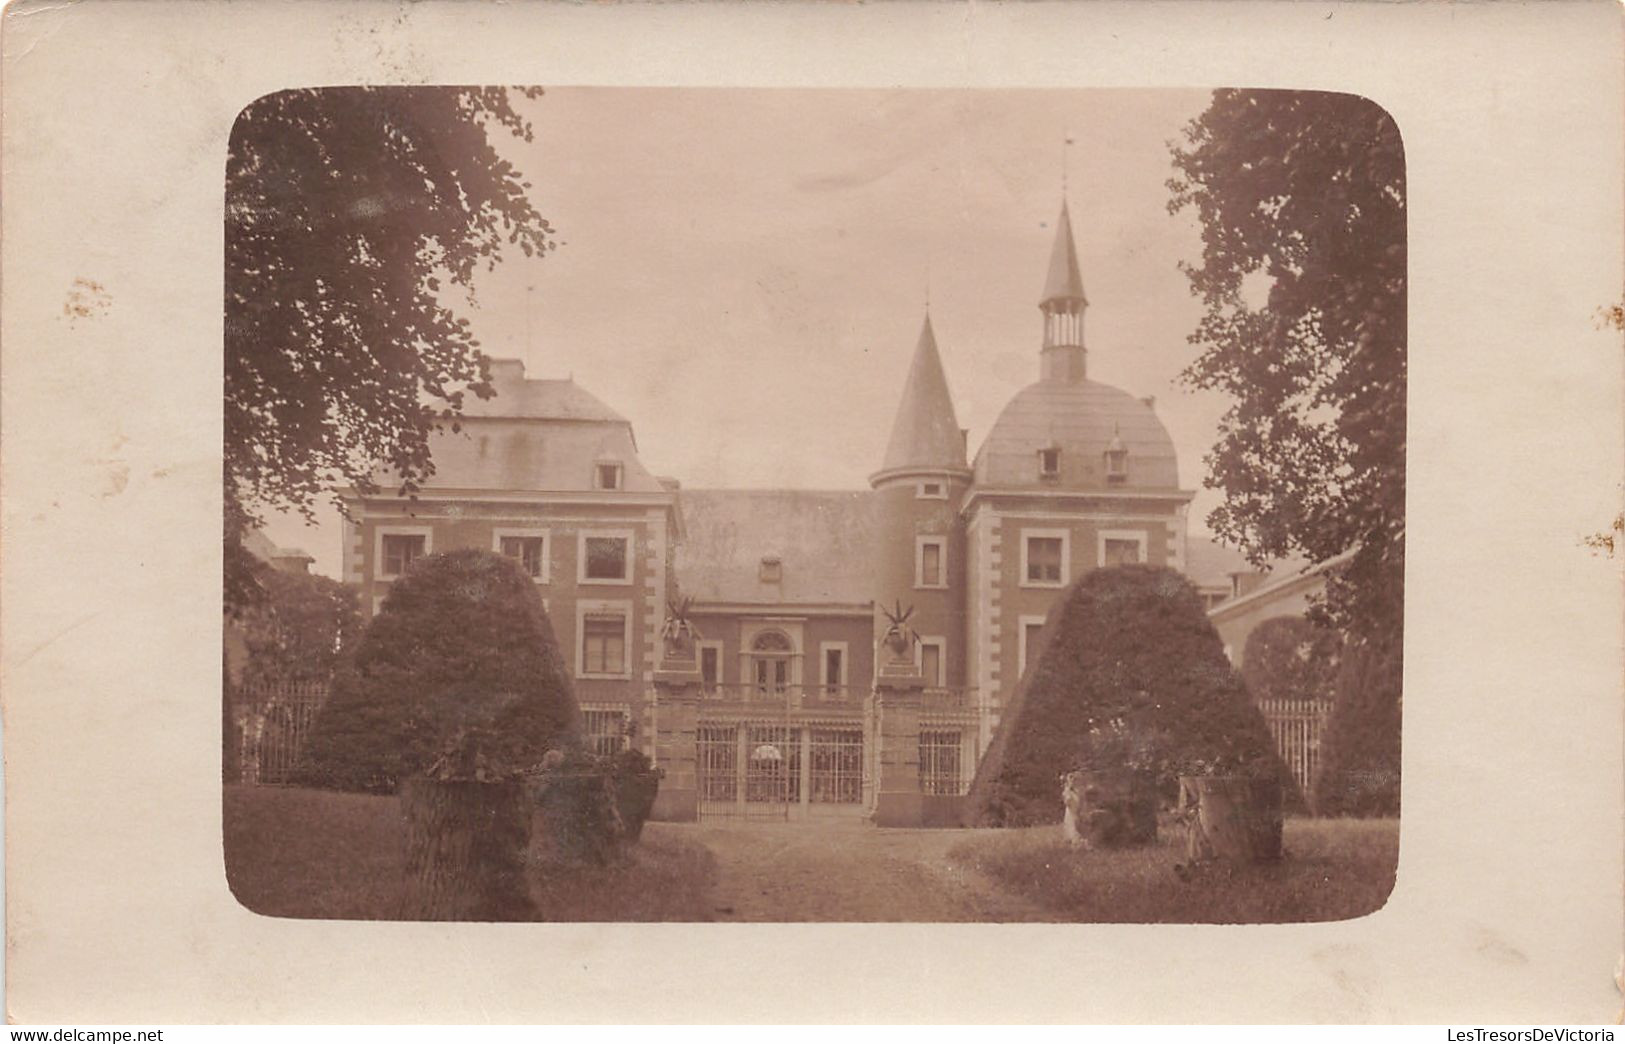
771,570
1116,459
606,475
1049,462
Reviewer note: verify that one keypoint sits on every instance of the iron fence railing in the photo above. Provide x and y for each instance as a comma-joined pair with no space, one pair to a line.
272,723
1297,727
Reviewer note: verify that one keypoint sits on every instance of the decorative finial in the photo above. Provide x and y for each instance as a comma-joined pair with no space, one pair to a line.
1066,141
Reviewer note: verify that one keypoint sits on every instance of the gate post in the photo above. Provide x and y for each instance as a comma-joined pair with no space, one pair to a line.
677,695
898,690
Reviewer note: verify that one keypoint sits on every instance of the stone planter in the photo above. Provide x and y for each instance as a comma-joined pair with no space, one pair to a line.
1109,808
1236,819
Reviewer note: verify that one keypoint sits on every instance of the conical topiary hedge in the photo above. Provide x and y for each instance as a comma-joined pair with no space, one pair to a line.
1129,644
461,643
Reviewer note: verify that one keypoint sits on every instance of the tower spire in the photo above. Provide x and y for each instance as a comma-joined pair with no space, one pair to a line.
1063,305
925,432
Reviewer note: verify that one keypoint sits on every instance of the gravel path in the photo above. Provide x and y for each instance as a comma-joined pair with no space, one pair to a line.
848,872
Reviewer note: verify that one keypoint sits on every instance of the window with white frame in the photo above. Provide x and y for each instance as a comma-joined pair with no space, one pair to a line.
606,731
771,653
1121,547
605,558
1031,629
1044,557
710,665
526,546
607,474
930,569
933,659
832,666
603,641
398,547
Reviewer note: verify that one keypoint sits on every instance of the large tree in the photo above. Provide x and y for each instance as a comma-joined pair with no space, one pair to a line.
1301,197
352,215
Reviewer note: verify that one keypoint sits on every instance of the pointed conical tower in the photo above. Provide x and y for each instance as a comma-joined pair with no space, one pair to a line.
919,545
1063,305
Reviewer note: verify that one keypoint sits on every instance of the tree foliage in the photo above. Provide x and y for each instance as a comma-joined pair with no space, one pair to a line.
460,661
1289,658
298,630
351,215
1305,192
1360,754
1125,650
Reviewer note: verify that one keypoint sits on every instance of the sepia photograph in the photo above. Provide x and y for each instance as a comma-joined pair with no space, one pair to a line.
736,514
813,505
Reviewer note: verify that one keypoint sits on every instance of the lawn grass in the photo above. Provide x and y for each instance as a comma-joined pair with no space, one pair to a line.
1333,870
319,854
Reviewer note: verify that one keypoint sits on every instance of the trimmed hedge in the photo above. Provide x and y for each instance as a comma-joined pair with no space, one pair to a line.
460,661
1127,654
1289,658
1359,767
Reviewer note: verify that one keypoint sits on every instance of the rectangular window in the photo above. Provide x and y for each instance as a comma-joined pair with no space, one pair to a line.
607,476
931,661
400,551
1120,552
710,667
930,565
606,558
1044,560
529,550
605,731
1031,629
932,491
834,669
603,643
1049,463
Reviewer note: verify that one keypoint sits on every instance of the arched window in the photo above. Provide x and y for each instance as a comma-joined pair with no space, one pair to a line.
770,653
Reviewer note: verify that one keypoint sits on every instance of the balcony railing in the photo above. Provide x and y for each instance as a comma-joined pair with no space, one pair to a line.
802,694
796,694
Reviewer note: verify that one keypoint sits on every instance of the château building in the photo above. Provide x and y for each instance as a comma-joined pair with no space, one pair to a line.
789,587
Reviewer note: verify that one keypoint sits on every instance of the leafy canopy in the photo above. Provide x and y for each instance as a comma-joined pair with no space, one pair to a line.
1304,192
351,214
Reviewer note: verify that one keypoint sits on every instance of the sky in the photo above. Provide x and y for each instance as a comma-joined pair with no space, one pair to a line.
742,273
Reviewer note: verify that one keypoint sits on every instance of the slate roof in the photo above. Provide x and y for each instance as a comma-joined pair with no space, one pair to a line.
534,435
1209,563
823,539
925,432
1081,418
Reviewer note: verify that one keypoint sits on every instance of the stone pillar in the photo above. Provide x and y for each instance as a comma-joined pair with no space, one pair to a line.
898,691
676,743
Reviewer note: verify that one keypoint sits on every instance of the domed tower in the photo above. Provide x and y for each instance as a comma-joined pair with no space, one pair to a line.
919,549
1074,475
